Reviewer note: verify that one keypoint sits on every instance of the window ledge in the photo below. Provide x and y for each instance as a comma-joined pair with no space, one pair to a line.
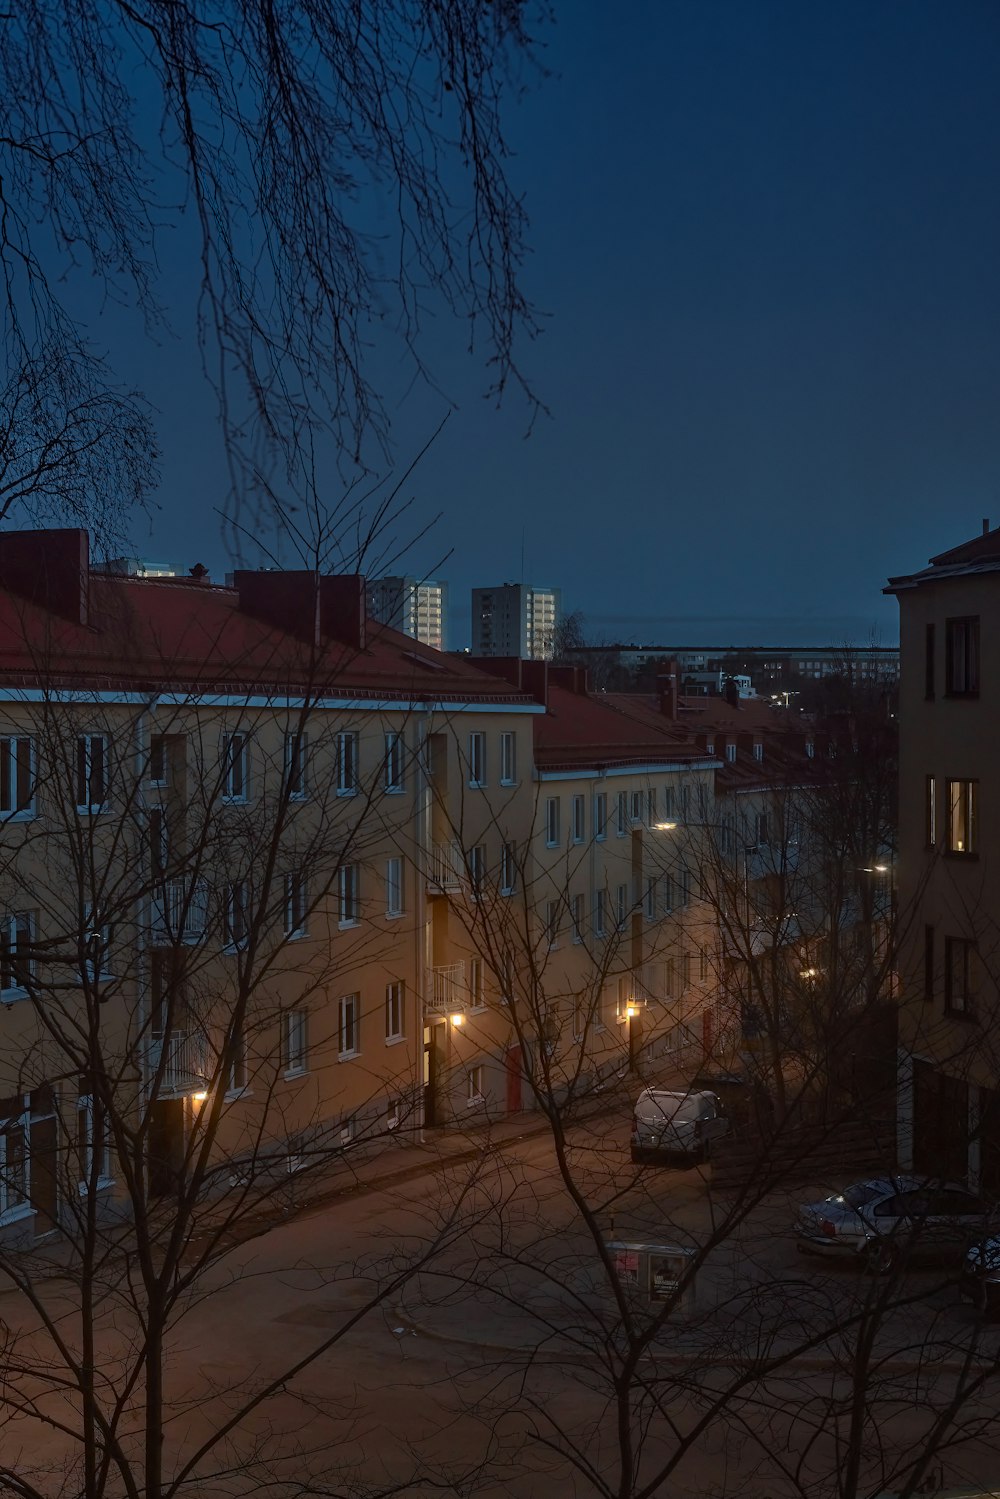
347,1056
394,1040
293,1072
352,921
394,915
960,855
17,1215
26,814
104,1183
8,996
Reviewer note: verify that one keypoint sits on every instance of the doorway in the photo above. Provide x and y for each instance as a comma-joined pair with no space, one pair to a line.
166,1146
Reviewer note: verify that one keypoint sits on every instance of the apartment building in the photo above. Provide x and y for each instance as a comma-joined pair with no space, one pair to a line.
418,607
515,619
948,887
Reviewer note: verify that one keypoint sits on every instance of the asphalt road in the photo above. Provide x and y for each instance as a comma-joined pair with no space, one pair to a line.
458,1329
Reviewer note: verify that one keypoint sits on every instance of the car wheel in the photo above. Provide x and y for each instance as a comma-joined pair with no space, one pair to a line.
881,1256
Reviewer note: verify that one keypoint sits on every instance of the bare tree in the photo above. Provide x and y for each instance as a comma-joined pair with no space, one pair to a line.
253,147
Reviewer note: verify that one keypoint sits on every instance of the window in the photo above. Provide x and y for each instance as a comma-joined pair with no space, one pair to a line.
394,994
576,910
635,809
348,1025
731,752
651,807
477,759
961,673
97,938
929,958
685,803
347,895
156,770
477,990
347,763
600,913
474,1085
552,822
17,777
931,811
621,819
296,752
684,888
91,772
686,970
237,913
601,816
758,750
296,1041
929,662
621,904
17,965
14,1153
92,1139
552,923
508,759
760,828
578,819
668,803
810,749
237,1078
296,904
960,960
963,797
394,762
506,976
703,964
394,887
159,842
508,869
651,898
477,869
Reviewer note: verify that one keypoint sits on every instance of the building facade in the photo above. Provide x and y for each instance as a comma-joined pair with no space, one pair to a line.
515,619
417,607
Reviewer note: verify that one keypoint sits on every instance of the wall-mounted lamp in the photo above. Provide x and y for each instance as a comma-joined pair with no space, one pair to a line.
457,1019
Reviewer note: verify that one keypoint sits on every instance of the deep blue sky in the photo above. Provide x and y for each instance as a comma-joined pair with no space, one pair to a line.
766,235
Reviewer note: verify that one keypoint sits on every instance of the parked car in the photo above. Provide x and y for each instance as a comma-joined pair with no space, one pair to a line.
882,1220
667,1123
979,1281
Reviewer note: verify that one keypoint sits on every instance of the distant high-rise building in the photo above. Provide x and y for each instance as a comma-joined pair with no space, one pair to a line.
416,606
515,619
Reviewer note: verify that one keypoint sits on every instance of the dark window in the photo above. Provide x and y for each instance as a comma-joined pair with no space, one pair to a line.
928,963
959,975
929,662
962,657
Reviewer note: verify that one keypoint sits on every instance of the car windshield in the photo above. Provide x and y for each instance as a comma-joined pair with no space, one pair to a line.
677,1106
856,1197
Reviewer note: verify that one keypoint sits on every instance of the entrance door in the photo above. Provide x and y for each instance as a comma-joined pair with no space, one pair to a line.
166,1146
513,1062
430,1077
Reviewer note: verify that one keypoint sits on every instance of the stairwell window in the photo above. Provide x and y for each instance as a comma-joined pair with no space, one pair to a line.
17,777
552,822
600,913
348,901
234,767
962,657
347,763
601,816
296,904
508,759
622,904
296,1042
348,1026
394,887
394,763
296,752
91,772
962,812
477,759
394,1010
579,817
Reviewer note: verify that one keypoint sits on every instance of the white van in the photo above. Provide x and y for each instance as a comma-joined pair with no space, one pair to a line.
671,1123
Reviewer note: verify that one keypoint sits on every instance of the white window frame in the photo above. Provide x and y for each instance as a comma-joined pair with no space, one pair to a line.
395,1012
508,758
157,760
579,818
348,895
600,913
477,985
394,906
235,757
395,779
600,816
508,868
552,820
622,904
88,1145
83,772
621,820
651,910
347,762
552,924
297,766
477,870
16,930
17,801
238,1075
577,918
102,930
474,1096
19,1124
296,905
477,759
236,915
348,1026
295,1042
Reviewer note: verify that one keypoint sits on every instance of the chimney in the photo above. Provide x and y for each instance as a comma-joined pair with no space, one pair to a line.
666,686
986,525
535,679
506,667
343,609
572,678
284,600
49,568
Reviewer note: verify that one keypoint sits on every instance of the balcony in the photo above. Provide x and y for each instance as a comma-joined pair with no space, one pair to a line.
448,993
762,860
179,912
445,868
184,1061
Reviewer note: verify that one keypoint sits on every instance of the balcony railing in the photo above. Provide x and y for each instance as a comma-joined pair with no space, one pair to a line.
179,912
184,1062
448,994
446,867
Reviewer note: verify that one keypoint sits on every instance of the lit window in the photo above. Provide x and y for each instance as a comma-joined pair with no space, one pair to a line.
962,810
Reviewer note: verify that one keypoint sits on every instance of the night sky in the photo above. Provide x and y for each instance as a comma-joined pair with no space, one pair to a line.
766,240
